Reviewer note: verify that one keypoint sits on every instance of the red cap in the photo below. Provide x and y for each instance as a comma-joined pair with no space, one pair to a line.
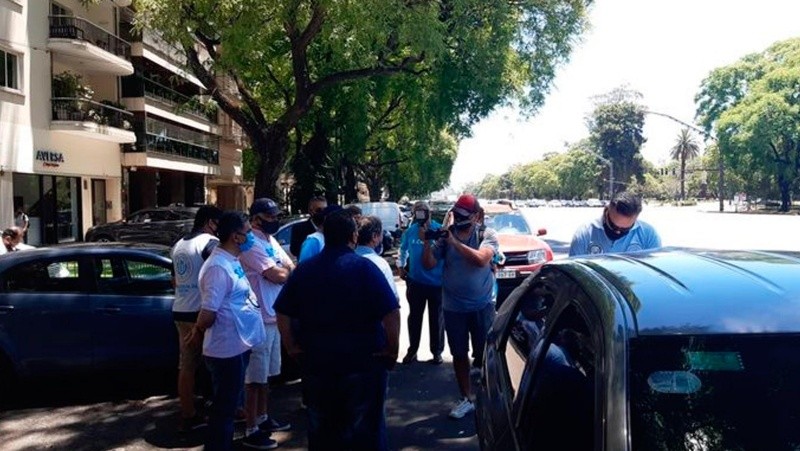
466,205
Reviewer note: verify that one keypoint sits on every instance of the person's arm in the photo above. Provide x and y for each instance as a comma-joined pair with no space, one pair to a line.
276,274
210,246
478,257
287,336
578,244
309,249
655,239
391,324
205,320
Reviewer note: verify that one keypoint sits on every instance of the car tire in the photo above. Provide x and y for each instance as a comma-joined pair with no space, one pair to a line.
102,239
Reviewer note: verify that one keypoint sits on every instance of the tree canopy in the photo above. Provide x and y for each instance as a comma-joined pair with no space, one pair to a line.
267,63
752,106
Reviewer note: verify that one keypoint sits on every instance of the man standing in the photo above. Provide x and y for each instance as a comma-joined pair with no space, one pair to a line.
11,238
229,323
348,328
188,255
315,242
422,286
617,230
467,284
267,267
370,237
304,229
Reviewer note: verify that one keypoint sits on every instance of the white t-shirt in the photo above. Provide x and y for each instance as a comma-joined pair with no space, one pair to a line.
187,259
381,263
265,254
224,290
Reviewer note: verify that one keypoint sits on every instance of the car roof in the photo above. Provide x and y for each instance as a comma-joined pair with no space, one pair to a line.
673,291
492,209
84,249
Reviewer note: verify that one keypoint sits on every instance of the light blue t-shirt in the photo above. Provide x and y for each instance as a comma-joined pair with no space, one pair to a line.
590,238
411,254
466,287
312,246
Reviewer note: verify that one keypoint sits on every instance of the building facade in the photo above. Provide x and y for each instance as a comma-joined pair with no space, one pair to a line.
97,122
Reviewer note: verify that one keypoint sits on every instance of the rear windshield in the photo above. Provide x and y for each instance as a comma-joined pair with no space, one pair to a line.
727,392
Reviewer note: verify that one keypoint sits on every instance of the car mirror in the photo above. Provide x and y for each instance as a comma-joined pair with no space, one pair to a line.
541,232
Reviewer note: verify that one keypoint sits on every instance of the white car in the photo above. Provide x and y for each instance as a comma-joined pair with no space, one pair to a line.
594,203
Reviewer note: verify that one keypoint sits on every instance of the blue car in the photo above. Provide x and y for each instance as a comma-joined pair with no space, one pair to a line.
86,308
663,350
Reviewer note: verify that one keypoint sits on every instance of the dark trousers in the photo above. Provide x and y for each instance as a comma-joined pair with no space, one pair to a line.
227,379
418,294
346,411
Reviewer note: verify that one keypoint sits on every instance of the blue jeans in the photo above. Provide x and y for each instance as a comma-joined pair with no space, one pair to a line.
345,411
227,378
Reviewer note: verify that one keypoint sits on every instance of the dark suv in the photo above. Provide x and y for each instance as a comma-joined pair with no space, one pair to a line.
161,225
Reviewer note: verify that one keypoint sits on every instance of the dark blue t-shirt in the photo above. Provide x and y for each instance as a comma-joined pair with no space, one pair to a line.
338,299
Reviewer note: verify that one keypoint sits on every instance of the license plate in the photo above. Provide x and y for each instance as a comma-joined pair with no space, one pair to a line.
506,274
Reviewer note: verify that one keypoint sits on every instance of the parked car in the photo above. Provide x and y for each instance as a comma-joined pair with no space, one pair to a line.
85,308
664,349
594,203
162,225
284,235
519,242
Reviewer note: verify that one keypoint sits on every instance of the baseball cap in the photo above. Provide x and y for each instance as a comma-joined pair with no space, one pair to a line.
264,205
466,205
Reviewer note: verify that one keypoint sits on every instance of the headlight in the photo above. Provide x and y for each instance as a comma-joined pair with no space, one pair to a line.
537,256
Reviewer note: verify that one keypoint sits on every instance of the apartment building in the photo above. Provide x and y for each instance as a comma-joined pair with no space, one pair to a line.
97,121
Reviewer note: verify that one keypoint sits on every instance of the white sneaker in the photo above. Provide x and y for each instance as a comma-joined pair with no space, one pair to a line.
462,408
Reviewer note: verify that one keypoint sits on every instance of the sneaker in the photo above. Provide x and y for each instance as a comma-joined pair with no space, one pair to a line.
436,360
259,440
409,358
463,407
273,425
190,424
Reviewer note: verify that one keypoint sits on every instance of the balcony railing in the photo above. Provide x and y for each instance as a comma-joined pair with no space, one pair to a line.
157,136
71,27
82,110
179,102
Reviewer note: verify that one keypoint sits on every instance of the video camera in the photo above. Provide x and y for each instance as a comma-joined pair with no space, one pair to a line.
436,234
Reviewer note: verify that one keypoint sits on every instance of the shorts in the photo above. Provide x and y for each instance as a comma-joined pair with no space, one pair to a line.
190,358
265,358
460,326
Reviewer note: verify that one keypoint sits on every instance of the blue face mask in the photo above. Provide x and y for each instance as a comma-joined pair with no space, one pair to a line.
249,242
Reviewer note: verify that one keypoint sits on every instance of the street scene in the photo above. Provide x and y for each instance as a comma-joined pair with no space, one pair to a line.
399,225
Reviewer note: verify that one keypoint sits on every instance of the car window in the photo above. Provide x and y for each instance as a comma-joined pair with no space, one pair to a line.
689,392
118,275
511,224
284,235
560,394
44,276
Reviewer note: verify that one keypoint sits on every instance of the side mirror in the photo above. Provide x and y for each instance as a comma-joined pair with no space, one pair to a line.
541,232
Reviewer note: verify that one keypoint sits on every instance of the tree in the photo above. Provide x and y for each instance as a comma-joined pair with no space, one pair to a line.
685,149
753,107
281,56
615,130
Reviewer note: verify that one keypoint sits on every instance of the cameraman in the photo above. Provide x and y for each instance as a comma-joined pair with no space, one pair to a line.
467,282
422,286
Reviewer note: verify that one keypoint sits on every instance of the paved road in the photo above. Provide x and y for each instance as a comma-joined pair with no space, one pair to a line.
419,395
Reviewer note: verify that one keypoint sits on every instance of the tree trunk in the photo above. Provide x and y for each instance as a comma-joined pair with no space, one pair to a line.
786,194
683,177
272,150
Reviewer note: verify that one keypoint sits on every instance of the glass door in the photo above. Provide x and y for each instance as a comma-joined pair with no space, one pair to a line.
98,202
67,209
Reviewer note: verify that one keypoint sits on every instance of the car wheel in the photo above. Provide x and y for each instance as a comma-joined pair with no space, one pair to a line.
102,239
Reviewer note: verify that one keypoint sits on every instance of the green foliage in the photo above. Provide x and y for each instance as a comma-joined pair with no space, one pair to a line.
753,106
685,149
330,70
615,131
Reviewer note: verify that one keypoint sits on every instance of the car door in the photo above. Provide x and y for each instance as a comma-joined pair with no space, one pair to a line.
132,312
135,227
560,397
44,316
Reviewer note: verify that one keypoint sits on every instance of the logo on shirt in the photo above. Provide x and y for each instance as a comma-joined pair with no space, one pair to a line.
238,270
595,248
183,265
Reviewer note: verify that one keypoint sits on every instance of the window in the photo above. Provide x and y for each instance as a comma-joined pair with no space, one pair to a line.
44,277
9,70
149,278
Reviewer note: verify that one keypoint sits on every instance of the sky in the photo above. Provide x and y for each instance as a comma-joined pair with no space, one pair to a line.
663,49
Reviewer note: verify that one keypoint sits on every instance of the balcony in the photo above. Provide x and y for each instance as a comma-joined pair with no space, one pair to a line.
179,103
90,119
76,40
168,146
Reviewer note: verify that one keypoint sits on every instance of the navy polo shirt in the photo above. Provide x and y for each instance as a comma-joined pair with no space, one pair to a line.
338,300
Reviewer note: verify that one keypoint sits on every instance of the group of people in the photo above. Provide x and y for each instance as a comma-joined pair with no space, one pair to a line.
240,296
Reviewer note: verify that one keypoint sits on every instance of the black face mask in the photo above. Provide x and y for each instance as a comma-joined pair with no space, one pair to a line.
317,218
269,227
612,231
461,222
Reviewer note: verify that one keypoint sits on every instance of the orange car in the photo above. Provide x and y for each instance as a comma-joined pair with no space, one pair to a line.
520,244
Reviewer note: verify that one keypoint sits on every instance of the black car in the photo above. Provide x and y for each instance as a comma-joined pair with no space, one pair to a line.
85,308
662,350
161,225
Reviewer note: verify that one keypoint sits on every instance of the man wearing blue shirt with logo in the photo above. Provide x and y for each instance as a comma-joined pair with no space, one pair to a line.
617,230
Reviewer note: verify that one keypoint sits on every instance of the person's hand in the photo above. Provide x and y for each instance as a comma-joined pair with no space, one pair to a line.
194,339
402,272
421,231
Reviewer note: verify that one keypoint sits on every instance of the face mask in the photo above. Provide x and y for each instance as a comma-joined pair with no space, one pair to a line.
317,218
249,242
461,222
612,231
269,227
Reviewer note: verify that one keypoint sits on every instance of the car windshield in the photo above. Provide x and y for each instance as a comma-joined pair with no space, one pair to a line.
509,224
722,392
